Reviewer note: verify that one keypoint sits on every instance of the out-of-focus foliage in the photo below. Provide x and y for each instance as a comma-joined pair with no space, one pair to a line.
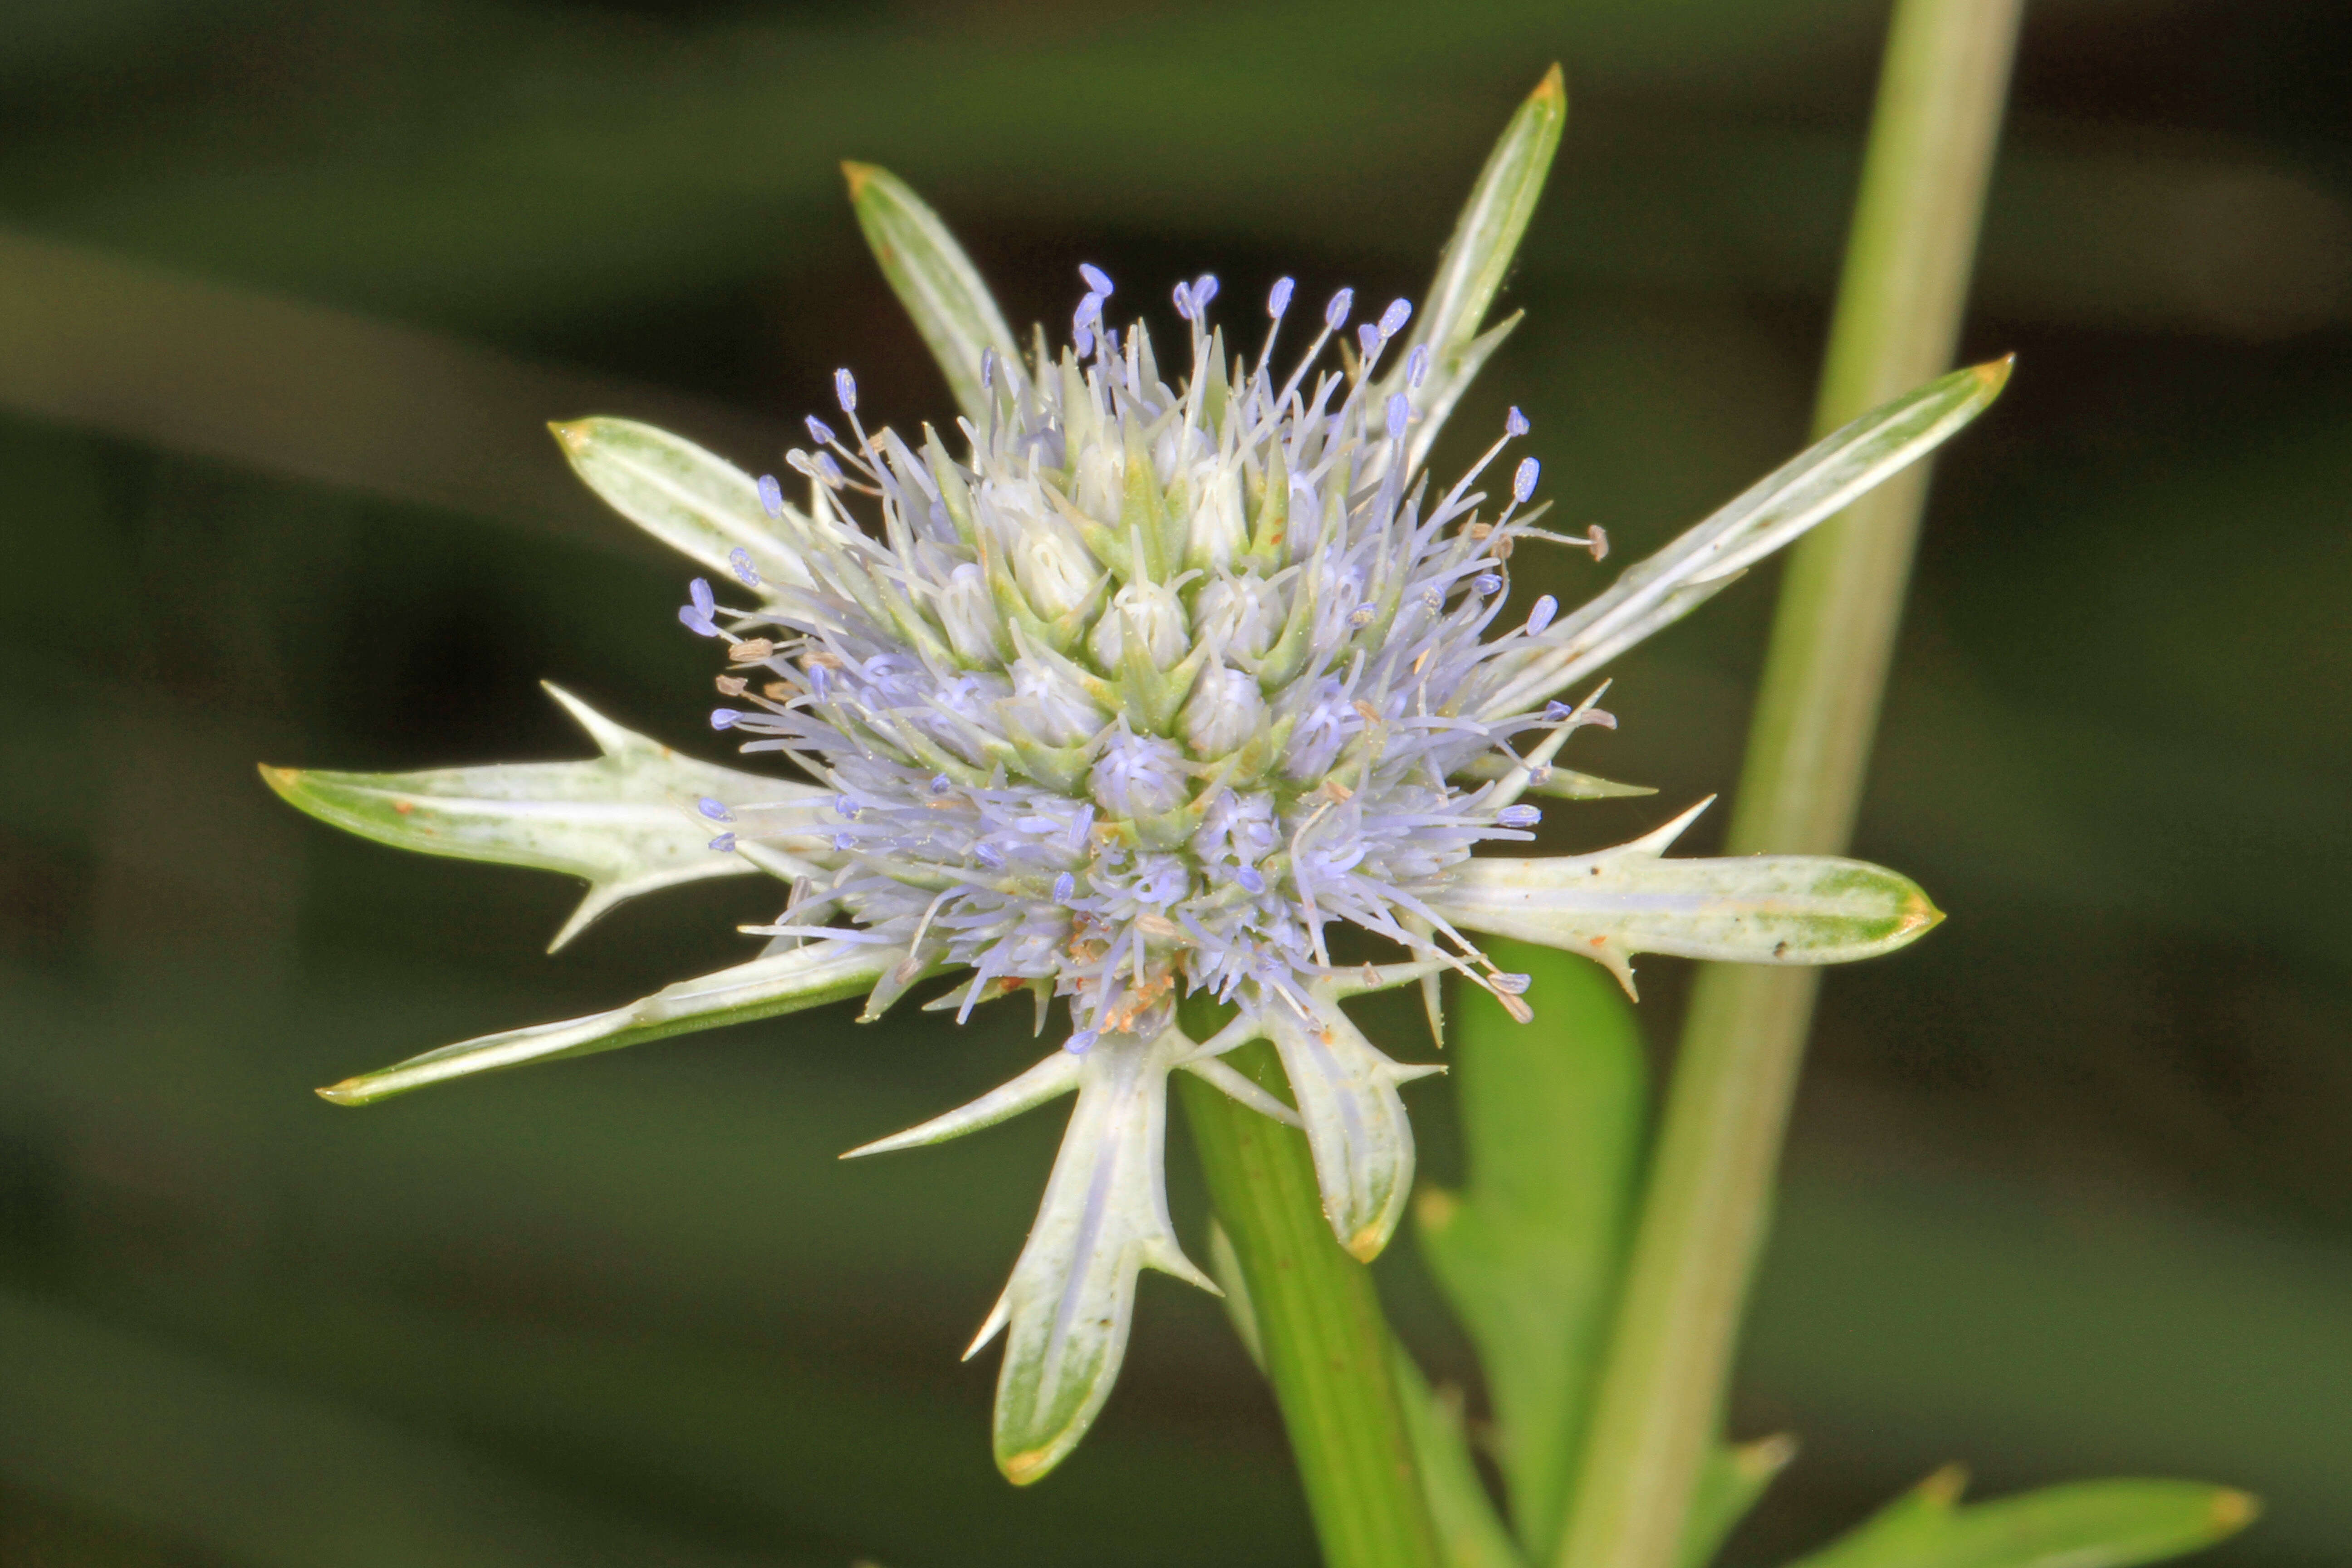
286,294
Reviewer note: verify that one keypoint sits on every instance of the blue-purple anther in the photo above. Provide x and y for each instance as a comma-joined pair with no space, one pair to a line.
696,615
1523,483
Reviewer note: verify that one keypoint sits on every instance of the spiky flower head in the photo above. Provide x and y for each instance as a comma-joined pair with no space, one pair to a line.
1134,687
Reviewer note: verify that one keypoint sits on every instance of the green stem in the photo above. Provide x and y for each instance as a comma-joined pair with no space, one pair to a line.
1898,311
1326,1343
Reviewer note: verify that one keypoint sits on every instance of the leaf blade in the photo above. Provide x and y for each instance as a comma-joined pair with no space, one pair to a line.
1816,484
804,977
1733,1480
695,501
2082,1524
1529,1252
1746,909
934,279
1477,257
1345,1090
624,821
1104,1218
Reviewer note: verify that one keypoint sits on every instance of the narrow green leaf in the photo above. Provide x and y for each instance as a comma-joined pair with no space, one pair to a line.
789,981
698,503
1900,1533
1471,269
1817,483
1734,1479
1745,909
1529,1252
1467,1528
626,821
2085,1524
934,279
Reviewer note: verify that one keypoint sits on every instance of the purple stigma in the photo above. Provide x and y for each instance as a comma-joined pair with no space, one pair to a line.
771,496
844,389
724,718
714,809
1065,886
1523,483
1279,300
1515,423
1335,314
819,431
724,844
1393,319
1540,617
1097,280
1400,411
741,558
1416,366
1519,817
1250,879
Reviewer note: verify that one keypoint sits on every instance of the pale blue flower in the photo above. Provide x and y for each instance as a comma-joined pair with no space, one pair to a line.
1133,690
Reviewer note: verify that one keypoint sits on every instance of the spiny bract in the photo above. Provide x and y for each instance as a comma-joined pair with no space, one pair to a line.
1129,691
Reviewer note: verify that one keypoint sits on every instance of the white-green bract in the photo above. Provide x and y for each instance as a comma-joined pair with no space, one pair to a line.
1130,689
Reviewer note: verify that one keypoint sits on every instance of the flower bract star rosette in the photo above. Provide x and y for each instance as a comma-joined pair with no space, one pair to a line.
1162,663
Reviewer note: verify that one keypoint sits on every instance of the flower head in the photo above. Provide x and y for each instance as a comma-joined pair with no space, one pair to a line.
1138,686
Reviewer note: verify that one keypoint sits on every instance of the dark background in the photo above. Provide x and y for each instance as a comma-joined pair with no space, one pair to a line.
286,291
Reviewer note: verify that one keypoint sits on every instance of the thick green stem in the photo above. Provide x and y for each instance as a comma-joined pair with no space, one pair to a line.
1326,1343
1899,304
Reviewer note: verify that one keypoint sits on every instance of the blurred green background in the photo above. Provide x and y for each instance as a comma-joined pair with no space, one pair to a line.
287,289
